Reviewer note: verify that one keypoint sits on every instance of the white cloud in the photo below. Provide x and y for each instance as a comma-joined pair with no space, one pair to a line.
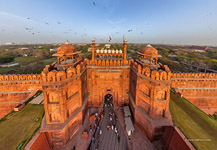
12,16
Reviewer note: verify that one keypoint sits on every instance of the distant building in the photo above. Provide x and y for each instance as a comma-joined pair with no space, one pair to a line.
53,49
24,48
206,48
200,51
89,49
107,45
9,43
25,55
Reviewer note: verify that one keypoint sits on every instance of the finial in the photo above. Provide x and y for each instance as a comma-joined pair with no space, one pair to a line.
67,42
93,40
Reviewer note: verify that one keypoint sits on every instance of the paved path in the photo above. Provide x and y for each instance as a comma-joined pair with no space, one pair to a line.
38,100
108,139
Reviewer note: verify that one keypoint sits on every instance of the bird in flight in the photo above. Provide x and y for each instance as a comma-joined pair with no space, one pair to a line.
94,3
130,30
46,23
28,18
58,22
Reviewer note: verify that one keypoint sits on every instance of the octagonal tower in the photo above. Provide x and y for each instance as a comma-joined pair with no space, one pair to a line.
63,94
150,92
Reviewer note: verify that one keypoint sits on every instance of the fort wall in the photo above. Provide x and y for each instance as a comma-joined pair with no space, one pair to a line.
16,89
174,139
199,88
39,141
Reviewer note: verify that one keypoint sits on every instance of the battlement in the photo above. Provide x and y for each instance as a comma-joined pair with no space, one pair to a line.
163,73
51,74
111,62
20,77
194,75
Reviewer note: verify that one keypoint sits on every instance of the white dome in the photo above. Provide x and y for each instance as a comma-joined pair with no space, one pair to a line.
101,51
120,51
105,51
116,51
109,51
113,51
97,51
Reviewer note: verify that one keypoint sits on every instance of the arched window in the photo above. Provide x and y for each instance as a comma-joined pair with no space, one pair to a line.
154,61
101,57
109,57
97,56
105,57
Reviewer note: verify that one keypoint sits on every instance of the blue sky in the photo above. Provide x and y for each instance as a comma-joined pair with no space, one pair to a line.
151,21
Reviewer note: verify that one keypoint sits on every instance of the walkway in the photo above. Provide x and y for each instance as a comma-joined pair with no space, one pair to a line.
108,140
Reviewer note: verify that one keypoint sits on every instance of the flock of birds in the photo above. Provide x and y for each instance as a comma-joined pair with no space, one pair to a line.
33,32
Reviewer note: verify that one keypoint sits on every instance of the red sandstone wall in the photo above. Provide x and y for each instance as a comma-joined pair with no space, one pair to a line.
199,88
40,143
102,81
15,89
173,139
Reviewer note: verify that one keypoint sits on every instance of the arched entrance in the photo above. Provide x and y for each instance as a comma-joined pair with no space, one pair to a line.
108,99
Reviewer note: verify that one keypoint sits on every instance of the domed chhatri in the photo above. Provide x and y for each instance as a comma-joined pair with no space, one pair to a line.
149,56
66,55
149,51
66,49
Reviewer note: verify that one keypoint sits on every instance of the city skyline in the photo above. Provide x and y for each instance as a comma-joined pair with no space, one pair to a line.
168,22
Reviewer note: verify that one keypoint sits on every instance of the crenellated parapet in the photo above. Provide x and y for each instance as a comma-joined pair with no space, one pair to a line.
194,75
20,77
16,83
111,62
199,88
163,73
51,74
16,89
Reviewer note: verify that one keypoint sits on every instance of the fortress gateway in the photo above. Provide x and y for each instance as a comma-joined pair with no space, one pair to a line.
72,85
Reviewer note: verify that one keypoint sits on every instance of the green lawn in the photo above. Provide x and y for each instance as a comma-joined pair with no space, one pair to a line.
26,60
4,70
194,123
20,126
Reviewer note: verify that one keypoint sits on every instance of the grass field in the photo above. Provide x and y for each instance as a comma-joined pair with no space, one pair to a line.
20,126
4,70
26,60
197,126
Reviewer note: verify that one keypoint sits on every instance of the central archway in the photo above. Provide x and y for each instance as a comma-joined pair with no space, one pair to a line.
108,99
